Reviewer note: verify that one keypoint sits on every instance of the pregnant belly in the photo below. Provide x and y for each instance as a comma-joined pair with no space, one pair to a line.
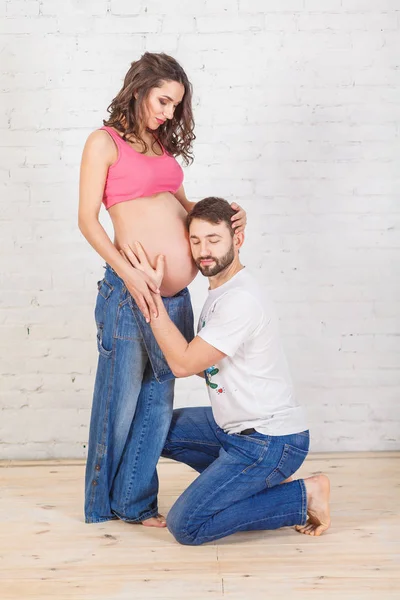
158,223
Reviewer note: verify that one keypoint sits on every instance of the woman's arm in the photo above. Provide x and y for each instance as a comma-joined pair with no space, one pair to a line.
239,220
180,195
98,154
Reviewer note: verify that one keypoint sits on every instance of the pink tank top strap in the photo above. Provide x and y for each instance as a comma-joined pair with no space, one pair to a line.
115,136
160,144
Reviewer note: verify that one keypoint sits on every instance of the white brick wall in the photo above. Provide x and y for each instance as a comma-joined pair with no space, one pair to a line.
297,107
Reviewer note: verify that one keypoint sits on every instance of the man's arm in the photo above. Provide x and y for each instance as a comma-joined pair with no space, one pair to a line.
226,331
184,359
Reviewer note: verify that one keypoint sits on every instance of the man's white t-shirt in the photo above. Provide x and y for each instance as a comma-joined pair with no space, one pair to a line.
251,386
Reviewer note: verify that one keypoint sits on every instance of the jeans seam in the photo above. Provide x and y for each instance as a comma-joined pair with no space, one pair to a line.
166,445
282,461
105,422
123,301
260,459
303,502
111,288
250,439
144,429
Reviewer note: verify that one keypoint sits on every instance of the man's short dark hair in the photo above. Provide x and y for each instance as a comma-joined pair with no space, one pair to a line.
213,210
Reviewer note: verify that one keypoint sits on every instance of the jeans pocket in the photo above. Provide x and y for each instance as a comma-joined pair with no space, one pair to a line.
292,458
102,351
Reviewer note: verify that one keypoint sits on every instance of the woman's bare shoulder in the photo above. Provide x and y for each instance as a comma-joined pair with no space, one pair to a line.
99,142
100,139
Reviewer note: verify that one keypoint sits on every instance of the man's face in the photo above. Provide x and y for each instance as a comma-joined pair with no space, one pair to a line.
212,246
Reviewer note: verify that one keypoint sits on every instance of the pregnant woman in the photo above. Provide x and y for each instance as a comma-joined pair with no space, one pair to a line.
130,166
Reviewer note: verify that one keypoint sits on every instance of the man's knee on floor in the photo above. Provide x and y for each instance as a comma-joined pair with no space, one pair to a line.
177,525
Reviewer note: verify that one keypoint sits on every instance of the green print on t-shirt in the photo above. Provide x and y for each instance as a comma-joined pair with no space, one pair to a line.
210,372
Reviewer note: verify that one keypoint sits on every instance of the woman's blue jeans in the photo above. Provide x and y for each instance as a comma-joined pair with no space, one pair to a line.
132,405
238,486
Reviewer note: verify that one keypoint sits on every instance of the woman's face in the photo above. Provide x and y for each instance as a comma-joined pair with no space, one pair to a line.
161,103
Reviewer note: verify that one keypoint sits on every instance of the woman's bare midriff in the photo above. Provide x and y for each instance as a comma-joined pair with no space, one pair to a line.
158,223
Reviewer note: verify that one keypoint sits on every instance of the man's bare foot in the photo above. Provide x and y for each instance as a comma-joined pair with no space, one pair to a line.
318,489
158,521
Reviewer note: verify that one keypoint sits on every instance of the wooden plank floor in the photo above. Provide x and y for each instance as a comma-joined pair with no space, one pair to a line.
48,552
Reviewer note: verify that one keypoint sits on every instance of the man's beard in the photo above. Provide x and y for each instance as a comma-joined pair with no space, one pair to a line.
219,265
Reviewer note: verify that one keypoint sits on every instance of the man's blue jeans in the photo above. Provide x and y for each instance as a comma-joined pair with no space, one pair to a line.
238,486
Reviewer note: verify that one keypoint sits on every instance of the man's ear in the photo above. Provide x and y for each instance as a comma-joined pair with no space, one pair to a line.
238,239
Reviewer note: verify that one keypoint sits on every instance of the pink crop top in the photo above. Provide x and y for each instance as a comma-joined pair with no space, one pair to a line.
135,175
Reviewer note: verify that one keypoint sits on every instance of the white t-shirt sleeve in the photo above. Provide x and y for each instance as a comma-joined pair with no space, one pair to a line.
234,318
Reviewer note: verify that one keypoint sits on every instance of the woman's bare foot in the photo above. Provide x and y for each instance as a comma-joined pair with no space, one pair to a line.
318,489
288,480
158,521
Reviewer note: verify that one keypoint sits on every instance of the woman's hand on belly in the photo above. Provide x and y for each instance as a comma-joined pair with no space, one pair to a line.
140,286
138,259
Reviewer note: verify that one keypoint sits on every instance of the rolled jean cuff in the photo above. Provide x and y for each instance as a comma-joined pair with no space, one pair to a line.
303,501
89,519
148,515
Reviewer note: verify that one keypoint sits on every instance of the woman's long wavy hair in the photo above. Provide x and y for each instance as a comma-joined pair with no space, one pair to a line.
127,112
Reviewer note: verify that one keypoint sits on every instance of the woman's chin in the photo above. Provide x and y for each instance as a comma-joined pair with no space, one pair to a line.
153,127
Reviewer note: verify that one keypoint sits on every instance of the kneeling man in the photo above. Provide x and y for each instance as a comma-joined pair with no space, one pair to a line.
254,436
